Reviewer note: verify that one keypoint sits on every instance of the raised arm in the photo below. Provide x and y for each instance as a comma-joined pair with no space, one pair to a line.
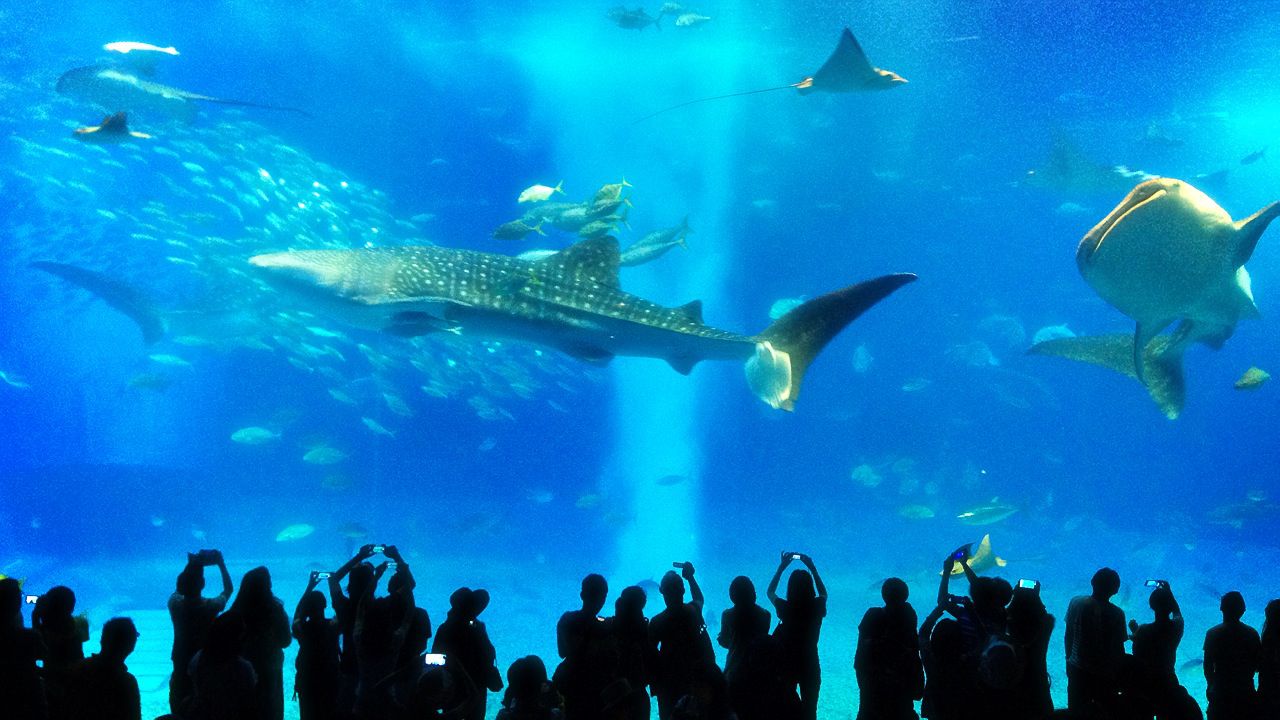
226,575
298,610
695,592
772,591
817,579
335,580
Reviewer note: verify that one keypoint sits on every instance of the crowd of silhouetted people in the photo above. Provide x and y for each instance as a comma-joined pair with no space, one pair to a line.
977,656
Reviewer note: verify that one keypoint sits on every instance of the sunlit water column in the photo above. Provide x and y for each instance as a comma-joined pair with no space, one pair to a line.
595,80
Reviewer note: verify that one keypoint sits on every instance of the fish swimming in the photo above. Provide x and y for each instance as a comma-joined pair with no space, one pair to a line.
1168,252
656,244
117,90
846,70
571,301
118,295
539,193
1068,171
636,19
112,129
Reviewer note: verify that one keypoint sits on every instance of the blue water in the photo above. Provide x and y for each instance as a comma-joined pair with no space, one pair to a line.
534,469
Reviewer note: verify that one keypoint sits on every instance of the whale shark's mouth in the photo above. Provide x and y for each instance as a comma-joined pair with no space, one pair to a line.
1141,195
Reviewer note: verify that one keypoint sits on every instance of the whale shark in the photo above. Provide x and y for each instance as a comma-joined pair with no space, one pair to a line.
1168,252
116,90
1162,358
571,301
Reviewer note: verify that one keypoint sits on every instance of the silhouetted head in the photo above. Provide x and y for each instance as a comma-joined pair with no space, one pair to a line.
459,600
947,640
672,588
1025,613
10,599
1001,592
1232,606
256,584
313,605
58,603
359,580
594,591
1273,613
894,592
225,636
526,677
1106,583
1161,601
191,581
119,638
433,687
742,591
476,604
399,582
800,588
630,603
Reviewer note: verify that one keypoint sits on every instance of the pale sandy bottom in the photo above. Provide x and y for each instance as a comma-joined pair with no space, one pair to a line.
529,598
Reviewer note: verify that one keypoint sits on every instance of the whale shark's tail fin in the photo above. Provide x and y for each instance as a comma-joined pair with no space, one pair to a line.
123,297
787,347
1162,362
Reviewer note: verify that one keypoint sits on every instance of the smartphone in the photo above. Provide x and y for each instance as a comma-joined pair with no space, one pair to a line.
32,599
1029,584
392,566
1156,583
679,565
323,575
795,556
433,659
378,549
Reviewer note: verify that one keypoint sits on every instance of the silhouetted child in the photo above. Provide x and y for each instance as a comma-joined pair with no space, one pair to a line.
887,661
64,636
742,626
316,675
192,615
1095,635
680,635
21,691
101,687
1232,651
1269,665
635,656
266,635
529,694
580,641
463,638
799,625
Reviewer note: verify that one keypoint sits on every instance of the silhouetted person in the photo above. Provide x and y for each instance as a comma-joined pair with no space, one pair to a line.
64,636
266,635
101,687
742,627
344,611
222,680
949,677
381,629
799,624
22,694
635,656
1095,635
1155,655
316,676
530,695
1028,630
1269,665
445,693
464,638
707,697
680,635
580,641
887,661
192,615
1232,651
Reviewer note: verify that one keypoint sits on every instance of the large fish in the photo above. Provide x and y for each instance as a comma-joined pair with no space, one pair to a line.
119,295
1168,252
571,301
117,90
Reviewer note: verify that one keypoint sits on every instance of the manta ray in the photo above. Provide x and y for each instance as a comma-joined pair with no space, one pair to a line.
846,70
571,301
116,90
1168,252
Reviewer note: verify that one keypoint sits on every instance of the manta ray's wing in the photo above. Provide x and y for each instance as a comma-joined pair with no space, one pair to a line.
123,297
847,67
1162,360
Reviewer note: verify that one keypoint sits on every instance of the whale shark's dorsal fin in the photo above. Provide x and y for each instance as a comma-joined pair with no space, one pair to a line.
596,260
691,310
1162,360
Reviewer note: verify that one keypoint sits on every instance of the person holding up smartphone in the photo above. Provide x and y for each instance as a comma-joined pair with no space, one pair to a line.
799,624
317,677
1155,651
192,615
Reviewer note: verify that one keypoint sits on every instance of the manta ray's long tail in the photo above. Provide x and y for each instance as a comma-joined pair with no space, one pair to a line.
687,103
788,346
263,106
1162,361
123,297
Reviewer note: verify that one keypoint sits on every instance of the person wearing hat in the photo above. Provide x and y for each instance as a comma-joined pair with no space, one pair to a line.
463,638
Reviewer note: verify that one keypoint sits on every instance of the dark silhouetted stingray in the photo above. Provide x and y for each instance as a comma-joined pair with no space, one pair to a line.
125,298
847,70
117,90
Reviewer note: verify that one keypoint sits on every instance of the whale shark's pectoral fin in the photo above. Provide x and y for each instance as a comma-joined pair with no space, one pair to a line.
682,365
1162,359
588,354
1143,334
1250,229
